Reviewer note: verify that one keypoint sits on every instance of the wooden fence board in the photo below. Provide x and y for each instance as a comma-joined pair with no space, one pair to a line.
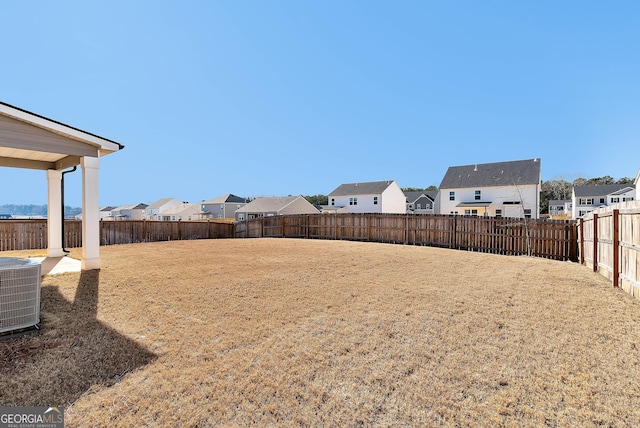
609,241
541,238
549,239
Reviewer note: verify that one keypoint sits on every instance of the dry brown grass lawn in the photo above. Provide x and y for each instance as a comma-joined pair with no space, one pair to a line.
328,333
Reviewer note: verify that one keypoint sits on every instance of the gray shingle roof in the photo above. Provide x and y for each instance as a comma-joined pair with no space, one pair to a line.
368,188
229,197
492,174
601,190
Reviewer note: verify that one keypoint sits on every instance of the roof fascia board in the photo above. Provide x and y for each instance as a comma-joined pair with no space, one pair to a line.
59,128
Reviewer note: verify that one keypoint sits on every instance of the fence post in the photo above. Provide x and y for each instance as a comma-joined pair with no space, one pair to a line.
616,248
581,231
595,242
454,237
406,229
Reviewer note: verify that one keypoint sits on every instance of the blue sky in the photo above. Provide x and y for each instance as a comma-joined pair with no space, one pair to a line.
296,97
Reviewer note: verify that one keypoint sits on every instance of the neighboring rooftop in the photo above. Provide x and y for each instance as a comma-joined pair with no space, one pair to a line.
367,188
600,190
229,197
495,174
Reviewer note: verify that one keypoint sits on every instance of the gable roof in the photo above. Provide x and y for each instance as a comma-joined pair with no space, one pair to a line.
161,202
414,196
600,190
367,188
268,204
494,174
229,197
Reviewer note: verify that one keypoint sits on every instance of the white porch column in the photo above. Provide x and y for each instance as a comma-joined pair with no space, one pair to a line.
90,213
54,213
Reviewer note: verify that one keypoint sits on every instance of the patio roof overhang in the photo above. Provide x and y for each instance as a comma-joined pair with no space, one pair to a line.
473,204
31,141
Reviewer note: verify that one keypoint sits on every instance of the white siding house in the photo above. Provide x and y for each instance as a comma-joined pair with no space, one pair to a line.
267,207
152,211
499,189
369,197
588,198
560,208
128,212
183,211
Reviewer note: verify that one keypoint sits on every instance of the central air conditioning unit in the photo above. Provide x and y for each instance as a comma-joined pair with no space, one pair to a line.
19,293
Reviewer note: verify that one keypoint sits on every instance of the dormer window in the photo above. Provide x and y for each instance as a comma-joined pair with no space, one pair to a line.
478,195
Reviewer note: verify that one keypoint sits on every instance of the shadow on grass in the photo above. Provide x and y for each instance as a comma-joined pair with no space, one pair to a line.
72,354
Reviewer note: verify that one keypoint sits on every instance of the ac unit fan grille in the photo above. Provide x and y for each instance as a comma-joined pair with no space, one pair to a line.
19,294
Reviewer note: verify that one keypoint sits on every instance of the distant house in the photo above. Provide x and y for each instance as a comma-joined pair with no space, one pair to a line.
104,213
267,207
183,211
560,208
588,198
224,206
153,210
128,212
499,189
369,197
421,202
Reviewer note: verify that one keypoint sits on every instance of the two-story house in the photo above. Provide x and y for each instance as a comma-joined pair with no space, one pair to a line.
499,189
153,211
273,206
588,198
128,212
369,197
224,206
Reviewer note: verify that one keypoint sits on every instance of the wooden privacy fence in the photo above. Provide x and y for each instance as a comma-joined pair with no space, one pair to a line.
32,234
541,238
609,242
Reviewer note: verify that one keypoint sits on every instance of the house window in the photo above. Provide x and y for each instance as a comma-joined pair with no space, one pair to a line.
628,198
499,213
527,213
375,200
333,201
615,200
586,201
478,195
602,200
353,201
418,206
471,212
452,196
